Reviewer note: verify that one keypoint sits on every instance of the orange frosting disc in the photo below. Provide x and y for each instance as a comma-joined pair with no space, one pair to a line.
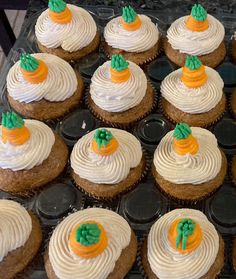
107,150
62,17
184,146
131,26
118,77
37,76
16,136
194,78
195,25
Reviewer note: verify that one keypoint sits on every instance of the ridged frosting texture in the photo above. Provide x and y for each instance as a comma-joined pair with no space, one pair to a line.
72,36
106,169
193,100
194,169
30,154
60,84
139,40
67,265
118,97
195,43
16,226
167,263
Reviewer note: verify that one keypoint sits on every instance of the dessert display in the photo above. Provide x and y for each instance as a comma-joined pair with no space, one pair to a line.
193,94
67,31
133,35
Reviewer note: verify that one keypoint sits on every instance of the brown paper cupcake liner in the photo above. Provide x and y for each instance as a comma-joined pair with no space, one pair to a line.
229,104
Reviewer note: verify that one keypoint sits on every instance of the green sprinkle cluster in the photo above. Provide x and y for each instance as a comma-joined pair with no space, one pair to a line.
185,228
102,137
28,62
193,62
128,13
198,12
57,6
119,63
12,120
182,131
88,234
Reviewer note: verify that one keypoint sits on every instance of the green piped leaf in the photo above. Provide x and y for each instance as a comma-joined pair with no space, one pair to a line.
88,234
198,12
11,120
182,131
193,62
119,63
128,13
185,228
28,62
57,6
102,137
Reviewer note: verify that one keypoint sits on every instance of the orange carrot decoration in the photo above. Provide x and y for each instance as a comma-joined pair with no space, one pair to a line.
59,12
13,129
130,20
88,240
120,71
197,21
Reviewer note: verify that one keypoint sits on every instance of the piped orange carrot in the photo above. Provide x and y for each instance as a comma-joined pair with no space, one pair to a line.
197,21
119,70
130,20
59,12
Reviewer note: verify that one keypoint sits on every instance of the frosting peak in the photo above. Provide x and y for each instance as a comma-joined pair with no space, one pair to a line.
130,20
119,69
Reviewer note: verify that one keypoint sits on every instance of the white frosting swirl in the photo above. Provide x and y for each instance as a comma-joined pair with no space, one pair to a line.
60,84
106,169
73,36
30,154
193,169
167,263
67,265
16,227
117,97
193,100
139,40
195,43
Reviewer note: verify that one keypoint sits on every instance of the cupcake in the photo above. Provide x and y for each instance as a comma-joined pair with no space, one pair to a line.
198,34
134,36
21,237
183,244
119,93
43,86
28,150
188,165
91,243
67,31
106,162
193,94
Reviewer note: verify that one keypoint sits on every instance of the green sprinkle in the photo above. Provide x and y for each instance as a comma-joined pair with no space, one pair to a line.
88,234
128,13
11,120
57,6
28,62
198,12
184,230
102,137
193,62
119,63
182,131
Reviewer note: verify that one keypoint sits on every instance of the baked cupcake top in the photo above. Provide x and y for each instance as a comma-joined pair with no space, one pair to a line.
118,85
182,244
16,226
41,76
66,26
195,88
197,34
24,144
131,32
187,155
105,156
88,243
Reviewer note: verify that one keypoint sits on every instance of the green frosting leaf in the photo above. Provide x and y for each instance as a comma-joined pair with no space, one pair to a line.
28,63
57,6
193,62
198,12
128,13
182,131
185,228
102,137
11,120
88,234
119,63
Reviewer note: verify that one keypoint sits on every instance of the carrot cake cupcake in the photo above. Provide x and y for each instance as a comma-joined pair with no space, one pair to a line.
198,34
35,87
188,165
120,94
91,243
134,36
183,244
193,94
67,31
106,162
28,150
21,237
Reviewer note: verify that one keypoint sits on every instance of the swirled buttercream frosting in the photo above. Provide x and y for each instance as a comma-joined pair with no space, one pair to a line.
67,265
194,169
30,154
166,262
117,97
72,36
60,84
106,169
193,100
16,226
139,40
195,43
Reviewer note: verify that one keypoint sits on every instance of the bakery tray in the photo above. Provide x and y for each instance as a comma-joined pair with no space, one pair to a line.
145,204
